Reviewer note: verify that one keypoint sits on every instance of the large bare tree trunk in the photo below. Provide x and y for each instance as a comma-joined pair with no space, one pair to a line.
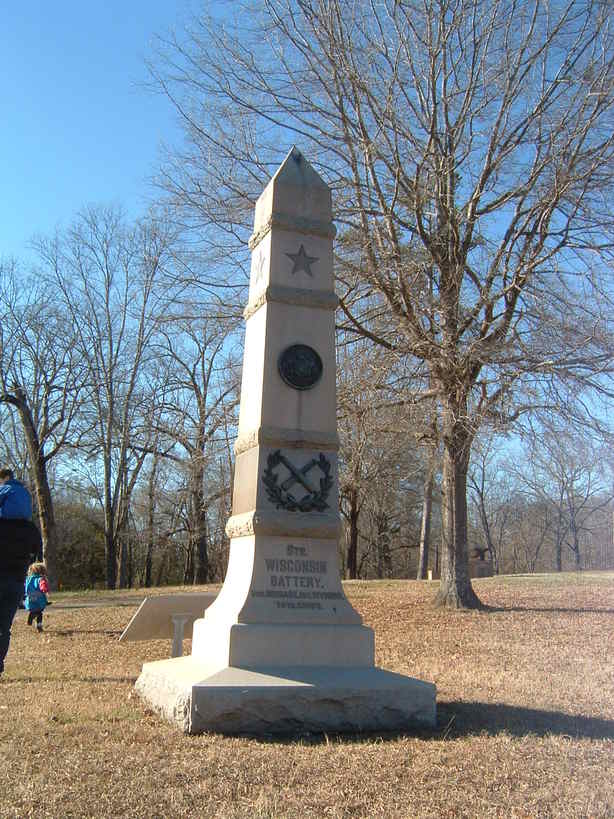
151,505
46,519
201,570
110,532
198,518
352,556
425,526
455,589
110,560
125,569
188,566
148,561
38,468
163,566
123,538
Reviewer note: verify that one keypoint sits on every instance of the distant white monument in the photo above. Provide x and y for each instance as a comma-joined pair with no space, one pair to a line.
281,649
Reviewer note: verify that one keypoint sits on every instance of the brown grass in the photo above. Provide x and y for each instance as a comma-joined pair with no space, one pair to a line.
525,717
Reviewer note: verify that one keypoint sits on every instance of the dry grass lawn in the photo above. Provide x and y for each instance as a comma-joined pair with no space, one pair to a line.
525,717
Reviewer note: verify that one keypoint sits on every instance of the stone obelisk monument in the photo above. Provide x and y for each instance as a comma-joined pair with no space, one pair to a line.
281,648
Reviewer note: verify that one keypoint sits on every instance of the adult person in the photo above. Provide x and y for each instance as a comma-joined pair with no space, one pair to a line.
15,498
20,543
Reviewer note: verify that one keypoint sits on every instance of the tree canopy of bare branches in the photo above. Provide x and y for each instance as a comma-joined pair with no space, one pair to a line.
109,278
42,380
469,144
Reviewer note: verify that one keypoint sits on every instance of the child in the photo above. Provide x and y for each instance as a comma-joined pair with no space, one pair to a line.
36,594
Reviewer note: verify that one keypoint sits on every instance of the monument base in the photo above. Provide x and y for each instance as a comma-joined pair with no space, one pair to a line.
284,700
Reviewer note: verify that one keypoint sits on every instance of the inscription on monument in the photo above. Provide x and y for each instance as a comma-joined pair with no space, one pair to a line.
297,581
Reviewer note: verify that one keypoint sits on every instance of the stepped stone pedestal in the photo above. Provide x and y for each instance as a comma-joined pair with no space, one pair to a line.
281,649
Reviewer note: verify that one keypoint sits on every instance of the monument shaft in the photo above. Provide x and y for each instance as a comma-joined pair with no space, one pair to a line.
282,600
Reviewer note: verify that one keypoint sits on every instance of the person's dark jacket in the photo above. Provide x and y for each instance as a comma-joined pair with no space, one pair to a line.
20,545
15,500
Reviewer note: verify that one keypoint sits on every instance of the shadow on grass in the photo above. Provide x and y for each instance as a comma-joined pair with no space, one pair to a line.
460,719
543,610
456,720
70,632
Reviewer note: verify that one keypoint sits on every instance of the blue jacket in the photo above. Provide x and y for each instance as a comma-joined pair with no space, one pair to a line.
35,599
15,500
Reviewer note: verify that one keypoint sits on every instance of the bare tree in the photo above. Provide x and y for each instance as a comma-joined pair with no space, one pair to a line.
427,511
356,415
376,476
491,494
112,282
42,377
470,148
569,476
524,534
202,389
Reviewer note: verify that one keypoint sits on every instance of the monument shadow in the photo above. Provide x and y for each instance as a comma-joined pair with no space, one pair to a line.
457,719
462,719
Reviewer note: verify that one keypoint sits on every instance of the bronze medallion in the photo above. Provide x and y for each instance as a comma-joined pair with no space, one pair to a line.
300,366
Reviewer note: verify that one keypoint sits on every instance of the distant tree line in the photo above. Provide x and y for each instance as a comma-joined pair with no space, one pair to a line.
118,395
118,404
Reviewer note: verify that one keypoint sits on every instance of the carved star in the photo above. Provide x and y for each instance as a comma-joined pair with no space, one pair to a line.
260,266
302,261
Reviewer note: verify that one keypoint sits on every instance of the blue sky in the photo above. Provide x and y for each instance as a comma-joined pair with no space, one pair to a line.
77,125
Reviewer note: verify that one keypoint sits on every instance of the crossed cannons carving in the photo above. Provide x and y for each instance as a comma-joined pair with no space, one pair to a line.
278,493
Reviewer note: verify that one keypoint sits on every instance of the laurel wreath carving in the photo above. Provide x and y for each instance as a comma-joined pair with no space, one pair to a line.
286,500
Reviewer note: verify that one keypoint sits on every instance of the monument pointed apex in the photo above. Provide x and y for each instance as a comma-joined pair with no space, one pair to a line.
296,170
296,198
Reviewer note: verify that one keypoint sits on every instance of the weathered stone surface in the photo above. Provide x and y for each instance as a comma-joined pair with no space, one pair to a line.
282,596
286,700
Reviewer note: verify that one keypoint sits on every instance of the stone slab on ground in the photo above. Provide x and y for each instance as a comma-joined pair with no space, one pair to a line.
285,700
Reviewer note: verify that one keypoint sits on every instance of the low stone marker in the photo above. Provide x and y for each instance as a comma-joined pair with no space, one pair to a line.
167,616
